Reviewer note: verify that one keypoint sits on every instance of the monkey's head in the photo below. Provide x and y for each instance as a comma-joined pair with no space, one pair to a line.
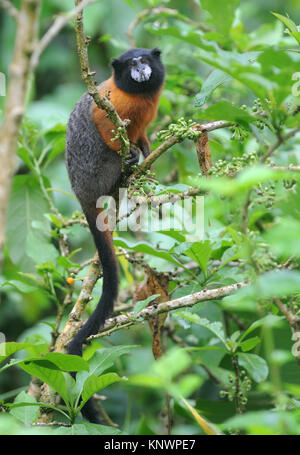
139,71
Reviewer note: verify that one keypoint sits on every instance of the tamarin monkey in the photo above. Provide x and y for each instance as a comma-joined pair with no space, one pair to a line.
94,166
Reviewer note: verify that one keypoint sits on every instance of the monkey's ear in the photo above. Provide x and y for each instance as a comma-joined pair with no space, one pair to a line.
156,52
115,63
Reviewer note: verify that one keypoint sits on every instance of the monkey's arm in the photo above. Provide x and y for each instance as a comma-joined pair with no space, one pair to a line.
144,145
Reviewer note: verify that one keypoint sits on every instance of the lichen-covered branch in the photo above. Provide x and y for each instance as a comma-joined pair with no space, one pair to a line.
125,321
168,143
70,327
27,27
84,297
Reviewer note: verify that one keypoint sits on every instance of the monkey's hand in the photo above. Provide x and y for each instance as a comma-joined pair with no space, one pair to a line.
134,155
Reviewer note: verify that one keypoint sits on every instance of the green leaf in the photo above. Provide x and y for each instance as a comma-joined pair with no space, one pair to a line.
47,372
27,414
147,380
67,362
260,85
200,252
94,383
230,254
246,179
25,156
283,244
205,348
9,348
143,427
271,320
39,250
224,110
21,286
215,327
296,35
189,384
86,428
264,423
214,80
144,247
102,360
139,306
172,363
163,370
55,220
27,204
35,404
249,344
152,3
278,284
222,13
66,263
105,358
58,147
174,235
287,22
256,366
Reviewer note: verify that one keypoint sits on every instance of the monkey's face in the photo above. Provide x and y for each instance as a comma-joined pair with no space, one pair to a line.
139,71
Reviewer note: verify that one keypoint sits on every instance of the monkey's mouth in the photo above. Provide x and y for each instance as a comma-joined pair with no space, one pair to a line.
141,72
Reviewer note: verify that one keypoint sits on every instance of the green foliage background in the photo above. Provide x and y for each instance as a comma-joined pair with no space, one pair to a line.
243,63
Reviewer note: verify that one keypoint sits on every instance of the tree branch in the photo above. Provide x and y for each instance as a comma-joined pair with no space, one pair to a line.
28,17
84,297
159,11
168,143
280,140
10,8
54,29
125,321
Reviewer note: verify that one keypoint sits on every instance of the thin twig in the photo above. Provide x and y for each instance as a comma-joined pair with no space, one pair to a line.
245,211
105,417
237,399
10,8
159,11
51,424
280,140
54,29
292,319
289,315
174,337
286,168
168,143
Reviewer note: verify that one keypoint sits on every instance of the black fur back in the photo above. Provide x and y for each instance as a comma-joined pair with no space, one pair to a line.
94,169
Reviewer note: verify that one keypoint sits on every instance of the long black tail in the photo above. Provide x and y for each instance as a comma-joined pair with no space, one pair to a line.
107,256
